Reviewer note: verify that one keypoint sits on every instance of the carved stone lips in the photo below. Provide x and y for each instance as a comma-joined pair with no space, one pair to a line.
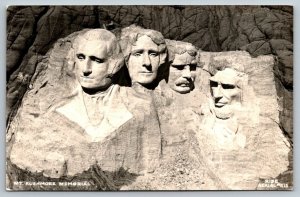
220,104
184,85
145,72
86,78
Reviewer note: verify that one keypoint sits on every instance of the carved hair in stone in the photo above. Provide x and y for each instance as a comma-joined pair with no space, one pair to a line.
97,57
145,52
183,62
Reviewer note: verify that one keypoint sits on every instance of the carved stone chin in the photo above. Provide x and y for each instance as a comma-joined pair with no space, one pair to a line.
225,112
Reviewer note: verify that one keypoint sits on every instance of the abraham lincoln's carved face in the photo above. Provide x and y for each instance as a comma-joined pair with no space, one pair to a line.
225,91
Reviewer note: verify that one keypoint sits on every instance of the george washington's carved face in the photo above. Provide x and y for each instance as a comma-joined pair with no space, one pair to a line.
91,63
97,57
225,91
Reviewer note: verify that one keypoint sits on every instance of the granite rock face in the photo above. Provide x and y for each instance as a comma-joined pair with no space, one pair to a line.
248,152
260,30
39,76
198,150
62,150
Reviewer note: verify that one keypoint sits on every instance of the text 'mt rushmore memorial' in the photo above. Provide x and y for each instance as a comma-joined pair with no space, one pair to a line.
149,98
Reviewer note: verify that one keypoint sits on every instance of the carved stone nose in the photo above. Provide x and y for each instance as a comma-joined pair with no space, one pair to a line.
186,73
87,72
217,92
87,69
146,60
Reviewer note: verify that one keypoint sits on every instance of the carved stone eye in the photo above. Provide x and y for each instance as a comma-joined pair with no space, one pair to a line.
153,54
96,59
137,54
213,84
80,56
179,67
193,67
228,86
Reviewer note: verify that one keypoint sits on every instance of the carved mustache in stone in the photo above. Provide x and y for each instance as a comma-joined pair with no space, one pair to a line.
183,81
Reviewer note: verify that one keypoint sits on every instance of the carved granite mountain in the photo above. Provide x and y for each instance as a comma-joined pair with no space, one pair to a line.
200,151
261,30
190,158
38,77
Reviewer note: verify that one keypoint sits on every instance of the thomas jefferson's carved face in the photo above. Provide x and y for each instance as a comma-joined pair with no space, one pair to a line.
182,73
225,92
91,63
144,61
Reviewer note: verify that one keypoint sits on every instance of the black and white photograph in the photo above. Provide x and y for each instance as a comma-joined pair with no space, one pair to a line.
149,98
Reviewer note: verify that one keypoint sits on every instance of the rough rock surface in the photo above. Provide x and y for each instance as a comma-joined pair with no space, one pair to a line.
260,30
267,151
55,154
191,157
189,160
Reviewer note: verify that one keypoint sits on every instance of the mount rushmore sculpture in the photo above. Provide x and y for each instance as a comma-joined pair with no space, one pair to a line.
131,110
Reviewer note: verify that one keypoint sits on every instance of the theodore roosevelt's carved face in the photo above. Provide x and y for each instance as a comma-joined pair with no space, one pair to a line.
225,91
182,73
